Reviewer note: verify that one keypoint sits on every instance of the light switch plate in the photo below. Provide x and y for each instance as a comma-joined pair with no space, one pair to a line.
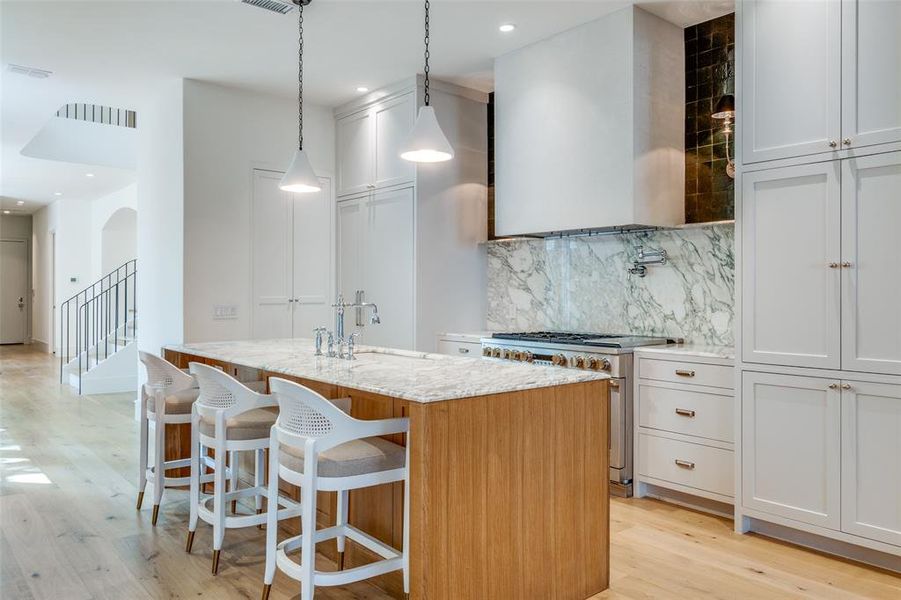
223,312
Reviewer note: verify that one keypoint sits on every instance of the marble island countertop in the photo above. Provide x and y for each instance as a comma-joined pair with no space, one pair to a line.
416,376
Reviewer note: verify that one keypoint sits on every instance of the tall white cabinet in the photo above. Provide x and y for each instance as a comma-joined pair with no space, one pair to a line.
410,236
819,251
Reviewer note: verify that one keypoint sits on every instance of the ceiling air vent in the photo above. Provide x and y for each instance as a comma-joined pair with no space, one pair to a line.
29,71
281,7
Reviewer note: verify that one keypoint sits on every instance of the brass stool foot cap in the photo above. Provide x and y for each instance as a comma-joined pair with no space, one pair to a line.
340,561
140,500
215,562
266,588
190,541
155,515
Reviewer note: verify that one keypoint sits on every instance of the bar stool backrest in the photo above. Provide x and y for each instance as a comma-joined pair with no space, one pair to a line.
303,415
164,375
220,392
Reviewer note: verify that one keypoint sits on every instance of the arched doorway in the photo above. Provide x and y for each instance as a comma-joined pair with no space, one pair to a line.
118,239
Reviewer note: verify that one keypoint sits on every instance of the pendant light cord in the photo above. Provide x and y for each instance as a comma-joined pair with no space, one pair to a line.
300,76
426,70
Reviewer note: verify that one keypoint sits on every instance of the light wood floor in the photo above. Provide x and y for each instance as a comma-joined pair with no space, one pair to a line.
69,530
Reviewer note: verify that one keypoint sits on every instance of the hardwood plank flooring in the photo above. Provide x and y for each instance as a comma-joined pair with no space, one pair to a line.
68,527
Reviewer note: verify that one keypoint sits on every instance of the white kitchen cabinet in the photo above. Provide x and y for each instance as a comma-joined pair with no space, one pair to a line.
791,447
368,143
871,72
409,236
790,104
871,461
818,78
791,255
353,145
871,251
293,263
589,128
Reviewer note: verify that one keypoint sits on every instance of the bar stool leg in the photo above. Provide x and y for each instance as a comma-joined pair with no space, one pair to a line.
233,479
259,466
195,479
218,505
308,518
341,521
271,517
142,457
159,455
406,542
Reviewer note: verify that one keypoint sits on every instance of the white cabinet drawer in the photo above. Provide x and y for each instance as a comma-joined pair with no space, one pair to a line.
684,372
470,349
693,412
691,465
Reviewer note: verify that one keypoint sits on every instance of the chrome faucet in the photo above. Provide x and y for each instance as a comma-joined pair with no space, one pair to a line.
339,307
319,331
349,355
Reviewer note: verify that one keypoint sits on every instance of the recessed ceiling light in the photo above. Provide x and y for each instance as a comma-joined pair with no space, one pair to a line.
506,27
20,202
362,88
57,193
5,212
88,174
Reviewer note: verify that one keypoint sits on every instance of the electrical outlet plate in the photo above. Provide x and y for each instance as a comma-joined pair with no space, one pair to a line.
222,312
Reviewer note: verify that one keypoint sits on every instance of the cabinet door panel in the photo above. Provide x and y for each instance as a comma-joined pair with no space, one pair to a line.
871,245
389,268
790,78
871,461
790,295
871,72
314,258
351,229
791,447
272,248
393,123
354,153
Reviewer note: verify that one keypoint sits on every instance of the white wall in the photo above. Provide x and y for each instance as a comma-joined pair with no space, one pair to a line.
102,209
227,133
160,200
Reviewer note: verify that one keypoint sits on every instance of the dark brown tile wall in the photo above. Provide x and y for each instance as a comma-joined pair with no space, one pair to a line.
709,74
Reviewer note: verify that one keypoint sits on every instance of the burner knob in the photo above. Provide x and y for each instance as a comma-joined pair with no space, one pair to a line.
559,360
496,352
486,351
599,364
527,356
580,362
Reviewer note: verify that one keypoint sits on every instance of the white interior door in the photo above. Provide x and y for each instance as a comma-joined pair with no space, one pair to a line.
393,121
871,249
790,77
273,234
871,461
314,258
353,140
791,447
13,291
791,289
389,267
871,72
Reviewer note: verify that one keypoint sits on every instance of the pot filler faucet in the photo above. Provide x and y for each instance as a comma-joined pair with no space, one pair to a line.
338,336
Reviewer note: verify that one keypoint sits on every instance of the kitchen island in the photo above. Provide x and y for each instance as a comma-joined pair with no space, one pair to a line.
509,491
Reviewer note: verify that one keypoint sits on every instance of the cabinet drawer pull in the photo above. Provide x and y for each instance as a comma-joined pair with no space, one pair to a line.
685,373
463,350
685,412
685,464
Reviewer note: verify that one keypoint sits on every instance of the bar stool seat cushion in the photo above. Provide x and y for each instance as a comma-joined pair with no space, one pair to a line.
177,403
251,425
357,457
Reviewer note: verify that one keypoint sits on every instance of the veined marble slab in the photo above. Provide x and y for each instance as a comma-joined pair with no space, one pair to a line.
416,376
583,284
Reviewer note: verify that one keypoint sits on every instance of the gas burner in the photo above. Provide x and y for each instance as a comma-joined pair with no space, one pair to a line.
601,340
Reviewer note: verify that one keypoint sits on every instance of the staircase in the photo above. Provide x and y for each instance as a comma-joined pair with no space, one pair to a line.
98,327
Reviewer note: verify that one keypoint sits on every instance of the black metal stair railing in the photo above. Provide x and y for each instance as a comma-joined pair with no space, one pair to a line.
97,321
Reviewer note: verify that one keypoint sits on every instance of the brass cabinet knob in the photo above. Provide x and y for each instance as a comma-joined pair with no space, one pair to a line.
833,265
846,386
833,143
846,264
846,141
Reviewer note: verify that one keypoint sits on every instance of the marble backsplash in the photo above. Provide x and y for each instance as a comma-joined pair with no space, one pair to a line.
583,284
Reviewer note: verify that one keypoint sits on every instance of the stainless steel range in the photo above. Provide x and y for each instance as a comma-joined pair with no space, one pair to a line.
610,353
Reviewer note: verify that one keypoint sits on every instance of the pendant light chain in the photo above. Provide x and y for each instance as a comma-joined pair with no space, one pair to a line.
426,83
300,76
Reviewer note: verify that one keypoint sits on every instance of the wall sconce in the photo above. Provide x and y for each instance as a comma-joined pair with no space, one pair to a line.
725,110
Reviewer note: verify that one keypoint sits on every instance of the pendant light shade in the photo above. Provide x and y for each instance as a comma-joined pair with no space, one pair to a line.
426,143
300,177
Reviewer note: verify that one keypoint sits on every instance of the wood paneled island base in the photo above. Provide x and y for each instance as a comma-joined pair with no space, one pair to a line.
509,491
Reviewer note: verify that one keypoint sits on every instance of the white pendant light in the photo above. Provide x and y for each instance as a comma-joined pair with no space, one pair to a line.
426,142
300,177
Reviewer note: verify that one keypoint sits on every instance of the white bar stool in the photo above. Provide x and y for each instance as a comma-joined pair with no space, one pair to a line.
229,417
166,399
318,447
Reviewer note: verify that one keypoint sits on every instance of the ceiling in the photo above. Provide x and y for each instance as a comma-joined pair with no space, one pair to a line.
114,53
